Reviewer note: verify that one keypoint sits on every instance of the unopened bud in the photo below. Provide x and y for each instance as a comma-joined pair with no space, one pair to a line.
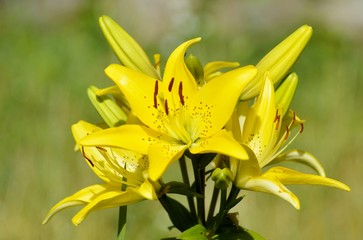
105,105
222,178
196,69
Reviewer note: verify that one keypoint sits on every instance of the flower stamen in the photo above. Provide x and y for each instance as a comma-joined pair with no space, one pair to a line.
170,87
181,93
156,90
84,155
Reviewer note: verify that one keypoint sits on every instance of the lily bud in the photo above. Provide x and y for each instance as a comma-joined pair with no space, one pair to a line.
285,92
105,105
222,178
127,50
212,69
279,60
196,69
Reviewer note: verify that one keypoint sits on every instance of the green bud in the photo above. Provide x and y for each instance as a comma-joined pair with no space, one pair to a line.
279,60
222,177
127,50
196,68
285,92
105,105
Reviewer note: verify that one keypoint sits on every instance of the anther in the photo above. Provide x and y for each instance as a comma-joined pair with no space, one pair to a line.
287,133
166,107
181,93
293,119
84,155
171,84
301,127
156,90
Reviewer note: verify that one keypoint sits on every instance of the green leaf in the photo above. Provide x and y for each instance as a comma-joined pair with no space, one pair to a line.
180,188
197,232
178,214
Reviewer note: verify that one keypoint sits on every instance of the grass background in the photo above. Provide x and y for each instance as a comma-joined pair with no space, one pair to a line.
51,51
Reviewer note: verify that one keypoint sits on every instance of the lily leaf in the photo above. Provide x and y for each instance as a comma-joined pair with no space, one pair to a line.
180,188
178,214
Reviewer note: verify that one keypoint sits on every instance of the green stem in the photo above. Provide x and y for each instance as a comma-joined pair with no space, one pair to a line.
213,204
184,170
122,223
122,215
224,207
199,174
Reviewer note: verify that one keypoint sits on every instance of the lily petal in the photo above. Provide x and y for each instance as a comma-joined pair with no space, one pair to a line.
301,157
178,80
214,103
141,92
132,137
289,176
161,155
111,198
81,197
269,185
259,126
222,142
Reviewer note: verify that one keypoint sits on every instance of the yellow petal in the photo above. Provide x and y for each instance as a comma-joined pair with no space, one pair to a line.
259,126
111,198
244,170
279,60
126,48
289,176
301,157
146,190
81,197
141,92
82,129
179,84
266,184
222,142
161,155
132,137
214,103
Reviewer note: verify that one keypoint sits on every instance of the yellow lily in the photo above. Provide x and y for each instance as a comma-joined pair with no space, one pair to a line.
265,132
177,113
117,168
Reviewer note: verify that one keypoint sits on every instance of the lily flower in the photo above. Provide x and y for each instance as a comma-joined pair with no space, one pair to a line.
118,168
178,114
279,61
265,133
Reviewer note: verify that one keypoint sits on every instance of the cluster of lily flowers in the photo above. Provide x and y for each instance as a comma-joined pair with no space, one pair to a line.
229,127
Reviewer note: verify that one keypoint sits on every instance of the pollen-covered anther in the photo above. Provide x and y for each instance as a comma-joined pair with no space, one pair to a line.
287,132
293,119
156,91
277,119
301,127
84,155
170,87
180,91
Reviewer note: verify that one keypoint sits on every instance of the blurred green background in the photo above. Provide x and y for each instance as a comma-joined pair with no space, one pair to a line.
51,51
